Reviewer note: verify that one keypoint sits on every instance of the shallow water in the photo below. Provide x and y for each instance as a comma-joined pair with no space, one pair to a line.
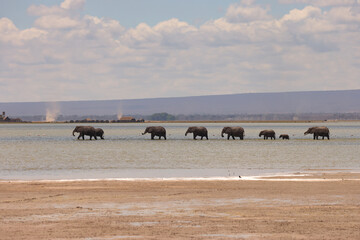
49,151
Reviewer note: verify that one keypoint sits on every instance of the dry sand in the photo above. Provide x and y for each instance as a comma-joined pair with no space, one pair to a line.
236,209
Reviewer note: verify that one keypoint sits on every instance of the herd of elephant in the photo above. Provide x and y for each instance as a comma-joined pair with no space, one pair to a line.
202,132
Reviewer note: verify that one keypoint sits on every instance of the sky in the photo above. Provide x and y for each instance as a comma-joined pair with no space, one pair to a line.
127,49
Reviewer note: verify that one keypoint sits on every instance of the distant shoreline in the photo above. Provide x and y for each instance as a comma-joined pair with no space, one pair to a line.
204,121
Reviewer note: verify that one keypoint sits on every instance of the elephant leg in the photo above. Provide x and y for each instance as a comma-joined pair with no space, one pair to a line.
194,136
233,137
241,137
207,138
202,137
152,136
165,137
95,137
102,137
79,136
83,136
228,137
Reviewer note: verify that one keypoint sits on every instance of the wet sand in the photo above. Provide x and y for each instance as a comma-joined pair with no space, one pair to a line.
320,206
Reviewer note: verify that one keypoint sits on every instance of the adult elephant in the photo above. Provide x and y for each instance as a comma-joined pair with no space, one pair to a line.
85,130
155,131
318,132
284,136
99,133
233,132
198,131
267,134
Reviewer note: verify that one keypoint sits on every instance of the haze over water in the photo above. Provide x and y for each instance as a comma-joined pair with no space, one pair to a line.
49,151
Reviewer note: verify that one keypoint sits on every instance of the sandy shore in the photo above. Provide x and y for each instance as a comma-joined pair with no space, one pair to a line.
283,208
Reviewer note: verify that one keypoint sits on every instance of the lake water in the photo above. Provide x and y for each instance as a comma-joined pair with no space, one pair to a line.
49,151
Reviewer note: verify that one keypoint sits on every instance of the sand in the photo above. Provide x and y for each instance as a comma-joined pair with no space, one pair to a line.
321,206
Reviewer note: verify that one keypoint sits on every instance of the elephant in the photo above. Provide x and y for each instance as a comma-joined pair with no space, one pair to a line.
318,131
155,131
198,131
233,132
99,133
85,130
284,136
267,134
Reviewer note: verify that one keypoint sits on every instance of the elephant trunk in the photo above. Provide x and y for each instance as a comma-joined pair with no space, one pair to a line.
222,134
186,132
73,133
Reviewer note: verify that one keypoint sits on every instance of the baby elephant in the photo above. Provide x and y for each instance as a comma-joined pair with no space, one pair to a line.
284,136
99,133
155,131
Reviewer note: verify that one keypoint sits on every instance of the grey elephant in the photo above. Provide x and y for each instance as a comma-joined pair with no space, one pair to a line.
318,131
284,136
198,131
267,134
85,130
155,131
99,133
233,132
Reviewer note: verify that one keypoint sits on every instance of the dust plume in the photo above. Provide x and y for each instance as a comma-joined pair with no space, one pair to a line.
52,111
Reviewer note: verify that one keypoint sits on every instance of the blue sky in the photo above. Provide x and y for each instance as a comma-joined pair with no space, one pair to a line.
113,49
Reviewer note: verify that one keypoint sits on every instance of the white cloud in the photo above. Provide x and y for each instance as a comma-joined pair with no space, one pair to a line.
297,15
322,3
56,22
142,36
174,26
246,13
73,4
10,34
42,10
246,50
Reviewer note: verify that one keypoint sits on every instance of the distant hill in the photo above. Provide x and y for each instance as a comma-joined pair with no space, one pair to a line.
344,101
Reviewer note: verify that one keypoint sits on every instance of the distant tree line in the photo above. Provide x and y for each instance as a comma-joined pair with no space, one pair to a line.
160,117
